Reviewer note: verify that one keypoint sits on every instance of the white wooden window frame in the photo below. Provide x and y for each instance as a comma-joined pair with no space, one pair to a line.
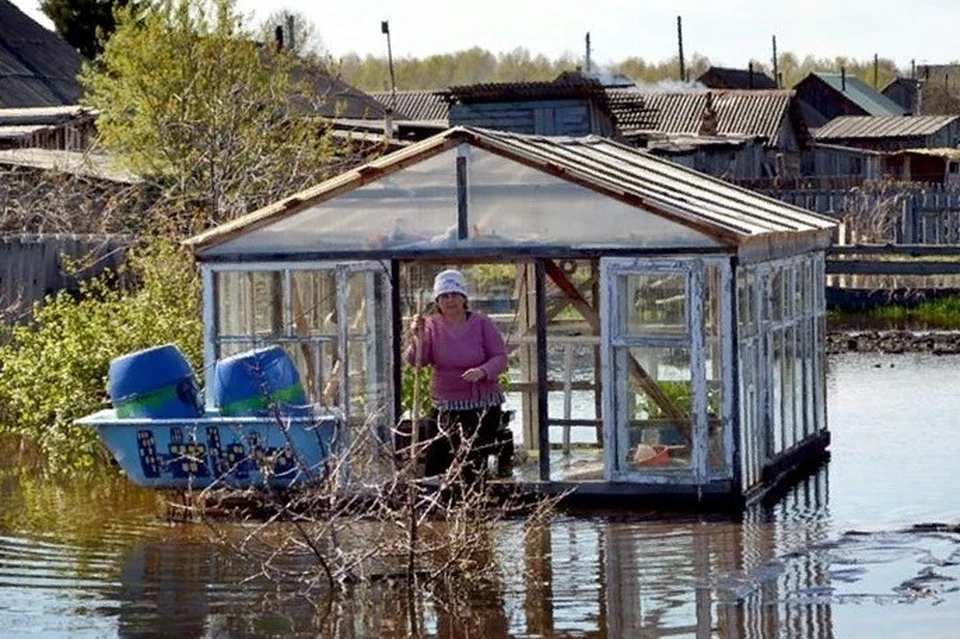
614,342
342,271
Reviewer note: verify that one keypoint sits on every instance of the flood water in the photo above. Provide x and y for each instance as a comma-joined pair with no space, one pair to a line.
848,553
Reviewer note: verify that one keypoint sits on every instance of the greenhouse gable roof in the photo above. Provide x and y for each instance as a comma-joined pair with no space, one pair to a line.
723,213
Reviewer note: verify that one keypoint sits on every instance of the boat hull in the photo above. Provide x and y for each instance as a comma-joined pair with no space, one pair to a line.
236,452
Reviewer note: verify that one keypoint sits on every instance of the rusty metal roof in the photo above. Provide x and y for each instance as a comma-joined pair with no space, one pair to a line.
883,126
416,105
751,113
730,214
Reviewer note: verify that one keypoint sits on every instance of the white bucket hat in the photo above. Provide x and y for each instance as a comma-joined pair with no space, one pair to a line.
449,281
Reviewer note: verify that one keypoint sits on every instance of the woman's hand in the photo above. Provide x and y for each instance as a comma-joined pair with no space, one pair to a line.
474,374
416,326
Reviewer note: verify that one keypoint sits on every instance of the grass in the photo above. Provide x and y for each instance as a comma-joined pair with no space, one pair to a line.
943,314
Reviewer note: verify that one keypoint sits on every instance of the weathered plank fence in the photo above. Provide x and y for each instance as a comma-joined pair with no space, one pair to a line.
896,215
32,266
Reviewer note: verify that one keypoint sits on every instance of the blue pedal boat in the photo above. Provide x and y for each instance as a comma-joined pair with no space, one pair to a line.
213,450
259,429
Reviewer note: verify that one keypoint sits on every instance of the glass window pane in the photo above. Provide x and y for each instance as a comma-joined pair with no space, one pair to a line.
658,404
655,304
415,207
714,367
512,203
250,303
313,303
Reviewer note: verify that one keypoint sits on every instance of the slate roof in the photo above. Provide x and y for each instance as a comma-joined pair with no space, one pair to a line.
37,68
748,113
861,94
728,78
416,105
891,126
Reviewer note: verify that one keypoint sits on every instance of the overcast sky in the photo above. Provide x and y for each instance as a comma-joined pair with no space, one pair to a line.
729,32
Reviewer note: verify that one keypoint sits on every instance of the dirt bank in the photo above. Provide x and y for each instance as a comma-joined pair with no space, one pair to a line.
894,341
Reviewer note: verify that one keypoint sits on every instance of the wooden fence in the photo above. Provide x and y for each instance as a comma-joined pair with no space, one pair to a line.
894,215
32,266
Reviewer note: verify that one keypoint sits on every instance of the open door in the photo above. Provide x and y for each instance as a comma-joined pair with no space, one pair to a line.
653,361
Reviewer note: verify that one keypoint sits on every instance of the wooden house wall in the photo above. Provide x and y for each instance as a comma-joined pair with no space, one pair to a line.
832,162
905,93
554,117
743,163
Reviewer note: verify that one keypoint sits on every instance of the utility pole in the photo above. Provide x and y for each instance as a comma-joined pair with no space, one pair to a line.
683,70
385,29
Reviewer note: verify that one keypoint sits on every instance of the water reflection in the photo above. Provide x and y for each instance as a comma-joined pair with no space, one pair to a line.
837,555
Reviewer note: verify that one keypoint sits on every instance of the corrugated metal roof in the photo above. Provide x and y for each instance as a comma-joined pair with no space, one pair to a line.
751,113
893,126
727,212
416,105
861,94
37,68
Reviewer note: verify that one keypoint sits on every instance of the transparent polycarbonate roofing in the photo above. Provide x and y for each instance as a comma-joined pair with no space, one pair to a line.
521,191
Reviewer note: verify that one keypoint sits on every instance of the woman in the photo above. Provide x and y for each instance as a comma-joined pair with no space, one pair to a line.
468,355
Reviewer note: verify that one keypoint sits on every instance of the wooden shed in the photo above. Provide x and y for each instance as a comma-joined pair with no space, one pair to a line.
643,303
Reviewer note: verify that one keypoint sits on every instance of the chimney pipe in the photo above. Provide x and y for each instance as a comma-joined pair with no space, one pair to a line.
750,72
843,79
683,71
291,43
587,59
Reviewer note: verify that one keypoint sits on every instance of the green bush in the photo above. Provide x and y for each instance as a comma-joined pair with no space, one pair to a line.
54,369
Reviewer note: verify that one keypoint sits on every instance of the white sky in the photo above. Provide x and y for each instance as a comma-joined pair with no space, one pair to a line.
729,32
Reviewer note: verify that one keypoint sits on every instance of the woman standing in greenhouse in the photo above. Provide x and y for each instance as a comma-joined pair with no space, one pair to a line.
468,355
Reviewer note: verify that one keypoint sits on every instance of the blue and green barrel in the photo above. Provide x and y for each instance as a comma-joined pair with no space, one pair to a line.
258,383
155,383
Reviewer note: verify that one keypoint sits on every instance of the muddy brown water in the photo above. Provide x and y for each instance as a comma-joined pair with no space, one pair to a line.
865,547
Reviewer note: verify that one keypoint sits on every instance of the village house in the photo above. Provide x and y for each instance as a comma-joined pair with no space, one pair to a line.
835,94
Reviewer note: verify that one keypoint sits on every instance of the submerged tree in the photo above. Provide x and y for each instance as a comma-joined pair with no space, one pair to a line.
186,94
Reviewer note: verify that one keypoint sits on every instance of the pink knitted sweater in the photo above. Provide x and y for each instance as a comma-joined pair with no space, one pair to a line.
451,350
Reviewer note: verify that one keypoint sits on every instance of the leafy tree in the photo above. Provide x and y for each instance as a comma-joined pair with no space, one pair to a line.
83,23
55,368
187,95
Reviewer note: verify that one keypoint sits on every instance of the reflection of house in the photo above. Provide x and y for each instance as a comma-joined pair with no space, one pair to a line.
836,94
726,78
37,68
891,133
933,166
